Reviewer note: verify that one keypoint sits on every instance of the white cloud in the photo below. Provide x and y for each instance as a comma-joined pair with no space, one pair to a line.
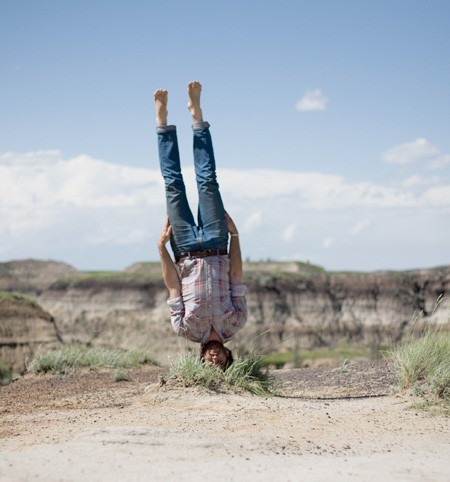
437,196
357,228
313,100
307,189
288,233
253,222
327,242
43,157
438,162
48,180
413,181
51,207
83,201
419,150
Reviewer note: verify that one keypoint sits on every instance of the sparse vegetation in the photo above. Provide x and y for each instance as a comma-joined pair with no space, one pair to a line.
69,358
245,374
16,297
422,364
344,367
5,374
340,354
107,278
121,375
150,272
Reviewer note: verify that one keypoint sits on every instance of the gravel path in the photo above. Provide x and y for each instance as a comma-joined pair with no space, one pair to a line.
326,425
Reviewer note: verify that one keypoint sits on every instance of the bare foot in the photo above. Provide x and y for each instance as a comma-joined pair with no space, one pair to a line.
194,91
161,98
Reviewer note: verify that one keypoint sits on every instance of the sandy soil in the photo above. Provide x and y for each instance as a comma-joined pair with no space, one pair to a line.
324,425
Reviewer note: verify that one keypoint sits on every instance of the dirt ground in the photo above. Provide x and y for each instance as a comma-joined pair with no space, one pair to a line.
324,424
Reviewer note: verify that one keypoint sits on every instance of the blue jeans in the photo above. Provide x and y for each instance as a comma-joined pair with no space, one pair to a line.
211,230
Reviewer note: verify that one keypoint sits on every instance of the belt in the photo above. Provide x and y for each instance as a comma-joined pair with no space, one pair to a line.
200,254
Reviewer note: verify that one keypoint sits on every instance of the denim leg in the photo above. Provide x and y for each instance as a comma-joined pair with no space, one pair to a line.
184,231
211,213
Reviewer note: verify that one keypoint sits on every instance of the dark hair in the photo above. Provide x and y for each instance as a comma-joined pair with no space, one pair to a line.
210,344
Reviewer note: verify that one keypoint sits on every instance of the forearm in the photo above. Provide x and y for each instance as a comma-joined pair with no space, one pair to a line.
235,261
170,273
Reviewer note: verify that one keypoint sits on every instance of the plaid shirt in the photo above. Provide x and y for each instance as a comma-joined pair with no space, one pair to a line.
208,299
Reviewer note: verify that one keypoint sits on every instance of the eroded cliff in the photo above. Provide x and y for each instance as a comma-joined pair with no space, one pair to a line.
292,306
24,327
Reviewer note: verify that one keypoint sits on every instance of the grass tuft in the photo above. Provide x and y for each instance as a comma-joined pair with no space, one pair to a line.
121,375
423,365
248,374
245,374
69,358
344,367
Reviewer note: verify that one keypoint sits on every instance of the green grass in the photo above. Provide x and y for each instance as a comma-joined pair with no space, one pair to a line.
245,374
101,274
423,366
17,297
116,275
69,358
5,374
110,278
425,360
339,353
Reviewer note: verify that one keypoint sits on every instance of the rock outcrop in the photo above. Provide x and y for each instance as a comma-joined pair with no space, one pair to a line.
327,308
292,306
24,327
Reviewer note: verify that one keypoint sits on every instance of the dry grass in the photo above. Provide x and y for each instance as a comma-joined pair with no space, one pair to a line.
423,365
245,374
69,358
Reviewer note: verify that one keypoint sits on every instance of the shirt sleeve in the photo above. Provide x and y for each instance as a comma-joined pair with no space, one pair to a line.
177,315
239,317
238,290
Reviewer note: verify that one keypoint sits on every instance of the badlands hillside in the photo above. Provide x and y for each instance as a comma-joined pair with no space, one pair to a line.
292,307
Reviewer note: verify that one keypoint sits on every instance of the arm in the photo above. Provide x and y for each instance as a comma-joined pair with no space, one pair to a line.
235,253
238,317
170,273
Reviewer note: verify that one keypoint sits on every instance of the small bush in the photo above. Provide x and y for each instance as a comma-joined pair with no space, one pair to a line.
245,374
69,358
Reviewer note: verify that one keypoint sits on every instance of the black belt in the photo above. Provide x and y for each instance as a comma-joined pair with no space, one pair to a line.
200,254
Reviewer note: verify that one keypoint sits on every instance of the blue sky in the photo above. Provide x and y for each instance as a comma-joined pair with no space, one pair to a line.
330,123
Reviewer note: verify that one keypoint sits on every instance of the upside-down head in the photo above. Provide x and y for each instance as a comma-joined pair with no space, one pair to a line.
216,354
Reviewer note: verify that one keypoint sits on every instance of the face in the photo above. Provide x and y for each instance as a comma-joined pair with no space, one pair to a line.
217,355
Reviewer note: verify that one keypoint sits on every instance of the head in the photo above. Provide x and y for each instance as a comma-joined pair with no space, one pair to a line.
215,353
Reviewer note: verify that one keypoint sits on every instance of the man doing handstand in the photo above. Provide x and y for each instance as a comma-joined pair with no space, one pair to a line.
207,305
